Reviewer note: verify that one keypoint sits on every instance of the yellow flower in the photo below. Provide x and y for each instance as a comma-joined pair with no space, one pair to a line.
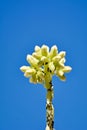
44,64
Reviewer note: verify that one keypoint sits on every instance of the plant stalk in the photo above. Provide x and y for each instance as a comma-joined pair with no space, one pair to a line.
49,108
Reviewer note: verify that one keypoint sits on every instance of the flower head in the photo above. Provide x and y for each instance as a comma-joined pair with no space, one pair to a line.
45,63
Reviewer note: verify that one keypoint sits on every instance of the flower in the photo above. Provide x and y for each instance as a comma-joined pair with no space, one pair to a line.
44,63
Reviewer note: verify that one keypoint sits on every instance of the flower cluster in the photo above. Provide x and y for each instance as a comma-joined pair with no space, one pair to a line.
45,63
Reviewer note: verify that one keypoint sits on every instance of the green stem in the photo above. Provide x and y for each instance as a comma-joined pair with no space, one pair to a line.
49,108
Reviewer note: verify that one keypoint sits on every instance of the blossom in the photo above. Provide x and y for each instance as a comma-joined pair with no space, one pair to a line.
44,63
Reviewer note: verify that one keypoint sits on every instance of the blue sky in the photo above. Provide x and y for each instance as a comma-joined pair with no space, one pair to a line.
24,24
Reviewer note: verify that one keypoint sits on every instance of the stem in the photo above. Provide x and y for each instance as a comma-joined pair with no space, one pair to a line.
49,108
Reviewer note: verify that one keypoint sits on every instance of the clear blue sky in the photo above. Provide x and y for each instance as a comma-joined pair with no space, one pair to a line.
24,24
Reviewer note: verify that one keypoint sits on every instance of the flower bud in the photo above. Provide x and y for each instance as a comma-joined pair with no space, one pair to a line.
37,48
62,54
56,60
67,69
33,79
24,68
44,50
33,61
51,66
61,62
36,55
40,74
44,59
29,72
53,51
39,80
63,78
60,73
